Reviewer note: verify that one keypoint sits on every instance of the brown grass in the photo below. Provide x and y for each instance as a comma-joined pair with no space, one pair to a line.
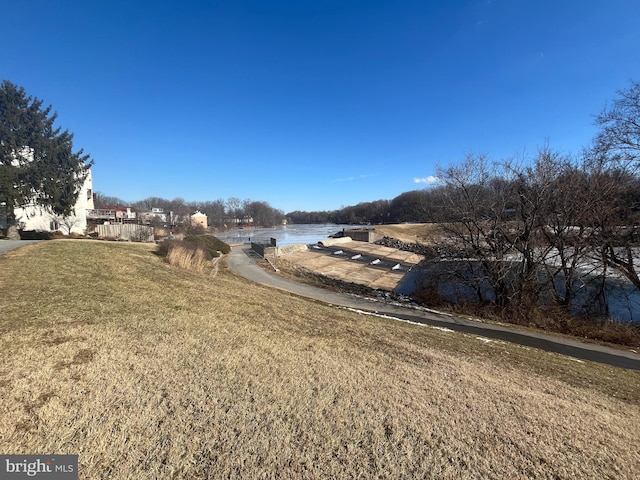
193,259
424,233
147,371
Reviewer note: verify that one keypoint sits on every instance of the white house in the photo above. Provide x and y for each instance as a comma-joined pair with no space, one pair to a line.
39,218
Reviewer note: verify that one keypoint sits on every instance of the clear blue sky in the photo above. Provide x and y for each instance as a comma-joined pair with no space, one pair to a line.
314,105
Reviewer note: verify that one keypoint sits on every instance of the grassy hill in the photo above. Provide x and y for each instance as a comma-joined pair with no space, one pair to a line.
148,371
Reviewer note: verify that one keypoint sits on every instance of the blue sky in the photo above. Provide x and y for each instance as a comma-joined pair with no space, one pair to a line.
314,105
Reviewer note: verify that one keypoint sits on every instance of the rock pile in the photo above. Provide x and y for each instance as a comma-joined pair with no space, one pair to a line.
425,250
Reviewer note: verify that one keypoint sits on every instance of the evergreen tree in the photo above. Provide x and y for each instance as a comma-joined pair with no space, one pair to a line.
37,161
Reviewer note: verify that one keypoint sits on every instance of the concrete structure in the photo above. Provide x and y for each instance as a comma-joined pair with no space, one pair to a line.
329,242
363,234
39,218
345,260
199,218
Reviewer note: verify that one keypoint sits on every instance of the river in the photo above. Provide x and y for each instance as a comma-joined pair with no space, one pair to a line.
305,234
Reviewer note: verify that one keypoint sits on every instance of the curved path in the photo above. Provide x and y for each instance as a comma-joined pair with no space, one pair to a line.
8,245
242,261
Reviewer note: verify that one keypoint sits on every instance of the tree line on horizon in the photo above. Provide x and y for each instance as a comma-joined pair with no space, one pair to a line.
413,206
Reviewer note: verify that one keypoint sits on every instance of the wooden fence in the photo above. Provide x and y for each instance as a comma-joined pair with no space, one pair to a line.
130,232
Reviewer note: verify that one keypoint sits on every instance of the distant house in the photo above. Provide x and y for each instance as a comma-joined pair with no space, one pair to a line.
199,218
111,214
155,215
39,218
240,221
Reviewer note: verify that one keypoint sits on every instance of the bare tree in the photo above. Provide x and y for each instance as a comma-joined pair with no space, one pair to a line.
615,159
234,209
618,140
526,228
263,214
474,211
553,210
102,200
70,221
215,211
618,224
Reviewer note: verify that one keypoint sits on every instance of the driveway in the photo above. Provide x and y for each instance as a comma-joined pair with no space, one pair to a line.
8,245
242,261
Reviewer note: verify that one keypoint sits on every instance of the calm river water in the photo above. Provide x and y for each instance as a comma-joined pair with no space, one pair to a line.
285,234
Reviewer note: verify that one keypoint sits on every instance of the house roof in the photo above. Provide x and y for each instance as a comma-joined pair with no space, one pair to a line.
117,209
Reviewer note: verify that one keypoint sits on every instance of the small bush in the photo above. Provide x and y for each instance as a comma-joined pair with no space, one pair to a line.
35,235
209,243
141,235
184,254
165,246
195,230
188,258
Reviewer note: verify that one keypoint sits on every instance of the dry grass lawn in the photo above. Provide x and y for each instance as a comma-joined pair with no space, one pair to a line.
411,232
148,371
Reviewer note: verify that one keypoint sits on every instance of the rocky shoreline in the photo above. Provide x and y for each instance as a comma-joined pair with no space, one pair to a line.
418,248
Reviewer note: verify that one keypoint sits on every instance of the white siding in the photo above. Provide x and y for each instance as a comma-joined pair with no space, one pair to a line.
34,217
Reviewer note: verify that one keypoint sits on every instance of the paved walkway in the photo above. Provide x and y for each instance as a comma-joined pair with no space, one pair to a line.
7,245
243,262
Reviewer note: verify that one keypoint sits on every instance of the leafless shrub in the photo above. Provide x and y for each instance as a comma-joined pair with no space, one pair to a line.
188,258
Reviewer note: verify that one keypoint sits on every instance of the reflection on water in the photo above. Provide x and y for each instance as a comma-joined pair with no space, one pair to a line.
306,234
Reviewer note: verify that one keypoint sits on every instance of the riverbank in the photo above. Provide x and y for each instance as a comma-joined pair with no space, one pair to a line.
335,292
346,271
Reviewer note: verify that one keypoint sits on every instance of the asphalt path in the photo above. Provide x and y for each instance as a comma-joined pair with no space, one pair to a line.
8,245
242,261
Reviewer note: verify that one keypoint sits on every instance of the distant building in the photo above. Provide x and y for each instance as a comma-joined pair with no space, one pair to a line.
240,221
155,215
111,214
199,218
